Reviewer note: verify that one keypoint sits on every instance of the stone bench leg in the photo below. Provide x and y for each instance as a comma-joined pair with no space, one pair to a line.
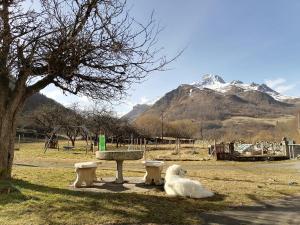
153,175
119,172
85,175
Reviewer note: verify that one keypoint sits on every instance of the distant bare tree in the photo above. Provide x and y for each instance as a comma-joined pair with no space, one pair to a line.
149,125
84,47
69,120
182,129
100,121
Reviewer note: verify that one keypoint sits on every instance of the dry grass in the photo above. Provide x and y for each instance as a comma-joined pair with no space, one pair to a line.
270,121
41,196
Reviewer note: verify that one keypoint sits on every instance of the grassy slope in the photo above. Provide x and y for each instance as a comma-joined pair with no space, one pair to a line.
41,195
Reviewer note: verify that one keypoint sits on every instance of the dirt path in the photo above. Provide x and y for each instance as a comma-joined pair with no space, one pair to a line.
189,165
284,211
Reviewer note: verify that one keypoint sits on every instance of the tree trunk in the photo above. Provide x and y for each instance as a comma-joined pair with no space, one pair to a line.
71,138
117,143
7,139
73,142
10,104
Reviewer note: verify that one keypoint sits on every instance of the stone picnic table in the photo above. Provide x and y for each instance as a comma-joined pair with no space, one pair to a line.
119,156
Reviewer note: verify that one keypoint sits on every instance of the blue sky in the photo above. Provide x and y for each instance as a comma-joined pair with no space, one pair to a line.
250,40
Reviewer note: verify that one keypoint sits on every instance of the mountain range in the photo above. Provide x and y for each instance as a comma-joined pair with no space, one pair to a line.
212,100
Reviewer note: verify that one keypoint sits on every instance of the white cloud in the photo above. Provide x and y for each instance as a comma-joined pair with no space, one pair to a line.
83,102
54,93
274,83
280,85
285,88
66,100
128,104
144,100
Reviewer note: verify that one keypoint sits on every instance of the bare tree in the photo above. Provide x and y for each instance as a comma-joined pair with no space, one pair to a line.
72,122
46,118
85,47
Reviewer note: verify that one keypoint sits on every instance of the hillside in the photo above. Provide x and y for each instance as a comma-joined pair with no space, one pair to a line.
31,105
36,101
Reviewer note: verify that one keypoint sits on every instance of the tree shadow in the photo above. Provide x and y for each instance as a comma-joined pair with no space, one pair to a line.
149,208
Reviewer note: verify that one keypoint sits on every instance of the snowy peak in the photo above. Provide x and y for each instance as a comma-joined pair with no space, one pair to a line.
217,83
235,82
210,79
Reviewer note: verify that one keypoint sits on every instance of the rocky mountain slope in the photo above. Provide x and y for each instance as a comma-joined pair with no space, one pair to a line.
136,111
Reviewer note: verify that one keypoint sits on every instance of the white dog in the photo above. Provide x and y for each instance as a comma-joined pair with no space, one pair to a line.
177,185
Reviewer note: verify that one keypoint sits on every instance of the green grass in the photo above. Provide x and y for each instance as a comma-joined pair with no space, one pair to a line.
40,191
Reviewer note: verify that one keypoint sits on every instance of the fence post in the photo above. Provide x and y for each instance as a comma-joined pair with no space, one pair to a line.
141,144
145,150
293,152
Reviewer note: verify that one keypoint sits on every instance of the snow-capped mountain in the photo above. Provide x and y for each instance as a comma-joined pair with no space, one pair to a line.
217,83
213,99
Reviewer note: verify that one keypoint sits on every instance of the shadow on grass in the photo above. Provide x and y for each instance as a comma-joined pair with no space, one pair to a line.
159,188
26,165
9,193
110,186
248,181
128,208
231,179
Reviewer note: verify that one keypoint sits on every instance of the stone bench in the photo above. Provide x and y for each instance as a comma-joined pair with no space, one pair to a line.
153,172
86,173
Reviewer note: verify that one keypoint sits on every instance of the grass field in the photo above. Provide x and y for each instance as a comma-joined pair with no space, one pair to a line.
40,194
